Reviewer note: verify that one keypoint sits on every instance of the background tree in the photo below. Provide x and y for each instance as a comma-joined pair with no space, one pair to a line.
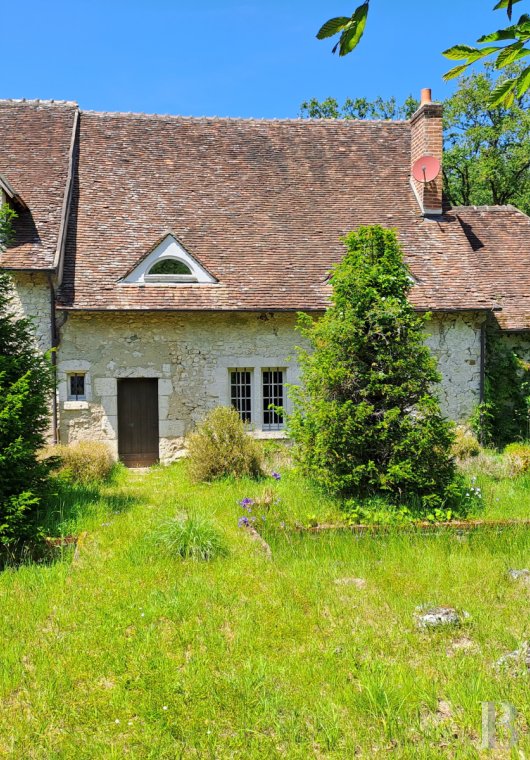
25,385
366,420
359,108
351,29
486,148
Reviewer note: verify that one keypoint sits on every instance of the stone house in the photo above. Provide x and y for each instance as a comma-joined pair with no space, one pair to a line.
165,259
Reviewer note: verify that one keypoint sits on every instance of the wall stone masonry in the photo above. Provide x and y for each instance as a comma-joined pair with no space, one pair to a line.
31,298
455,340
191,355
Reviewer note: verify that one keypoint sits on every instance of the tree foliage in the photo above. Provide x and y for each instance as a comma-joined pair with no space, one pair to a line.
366,419
359,108
25,385
486,148
515,35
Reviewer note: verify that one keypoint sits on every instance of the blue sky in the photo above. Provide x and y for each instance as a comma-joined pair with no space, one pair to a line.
227,57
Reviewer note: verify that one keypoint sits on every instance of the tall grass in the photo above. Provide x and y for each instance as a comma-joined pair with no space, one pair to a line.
130,653
191,537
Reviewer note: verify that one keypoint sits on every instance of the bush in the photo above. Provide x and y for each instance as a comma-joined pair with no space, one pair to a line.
367,421
517,456
26,381
191,537
221,447
83,462
465,444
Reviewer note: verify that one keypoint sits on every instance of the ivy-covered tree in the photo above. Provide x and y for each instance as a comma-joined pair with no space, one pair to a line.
25,386
486,148
366,418
504,416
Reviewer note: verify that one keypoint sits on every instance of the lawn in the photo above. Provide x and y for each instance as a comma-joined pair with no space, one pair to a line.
128,651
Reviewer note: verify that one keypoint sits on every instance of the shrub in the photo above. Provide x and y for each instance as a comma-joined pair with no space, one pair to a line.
191,537
221,447
465,444
367,420
83,462
26,380
517,456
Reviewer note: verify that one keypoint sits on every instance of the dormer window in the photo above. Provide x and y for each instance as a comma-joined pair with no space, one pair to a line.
170,270
168,263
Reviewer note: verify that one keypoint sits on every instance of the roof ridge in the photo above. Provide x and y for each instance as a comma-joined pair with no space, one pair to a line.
246,119
491,207
37,101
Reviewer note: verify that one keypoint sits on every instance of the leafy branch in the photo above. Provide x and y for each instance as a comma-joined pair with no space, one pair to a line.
351,30
516,35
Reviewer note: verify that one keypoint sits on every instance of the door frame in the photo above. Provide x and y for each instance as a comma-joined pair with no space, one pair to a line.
138,458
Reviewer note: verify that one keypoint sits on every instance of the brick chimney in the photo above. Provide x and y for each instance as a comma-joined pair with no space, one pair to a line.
427,140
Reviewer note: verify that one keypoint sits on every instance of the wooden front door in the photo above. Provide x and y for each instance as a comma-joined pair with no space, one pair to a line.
138,422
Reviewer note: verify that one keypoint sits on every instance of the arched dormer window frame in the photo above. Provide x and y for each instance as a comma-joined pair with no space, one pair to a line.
168,249
167,277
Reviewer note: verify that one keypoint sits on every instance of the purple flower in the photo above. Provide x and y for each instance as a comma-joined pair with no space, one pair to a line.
243,522
276,475
246,503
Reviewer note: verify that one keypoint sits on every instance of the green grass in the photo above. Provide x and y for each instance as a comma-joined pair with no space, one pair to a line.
131,651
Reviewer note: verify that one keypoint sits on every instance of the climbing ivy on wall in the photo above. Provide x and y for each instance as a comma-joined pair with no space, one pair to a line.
504,415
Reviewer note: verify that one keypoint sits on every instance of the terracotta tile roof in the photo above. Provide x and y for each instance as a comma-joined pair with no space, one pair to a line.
35,140
261,204
500,236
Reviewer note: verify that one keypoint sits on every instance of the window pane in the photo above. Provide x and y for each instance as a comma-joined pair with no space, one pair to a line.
77,386
170,266
241,393
272,394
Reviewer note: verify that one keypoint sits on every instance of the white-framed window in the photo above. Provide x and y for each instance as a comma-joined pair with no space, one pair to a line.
76,386
241,393
168,263
170,269
273,394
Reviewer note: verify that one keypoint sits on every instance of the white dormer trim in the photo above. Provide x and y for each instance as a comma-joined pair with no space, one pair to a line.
7,191
168,248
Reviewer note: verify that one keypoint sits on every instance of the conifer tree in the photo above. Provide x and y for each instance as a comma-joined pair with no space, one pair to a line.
367,420
25,386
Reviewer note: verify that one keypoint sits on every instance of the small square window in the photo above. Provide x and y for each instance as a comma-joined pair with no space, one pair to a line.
76,387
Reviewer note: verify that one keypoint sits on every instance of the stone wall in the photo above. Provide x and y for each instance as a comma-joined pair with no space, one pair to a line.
191,355
31,298
455,340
